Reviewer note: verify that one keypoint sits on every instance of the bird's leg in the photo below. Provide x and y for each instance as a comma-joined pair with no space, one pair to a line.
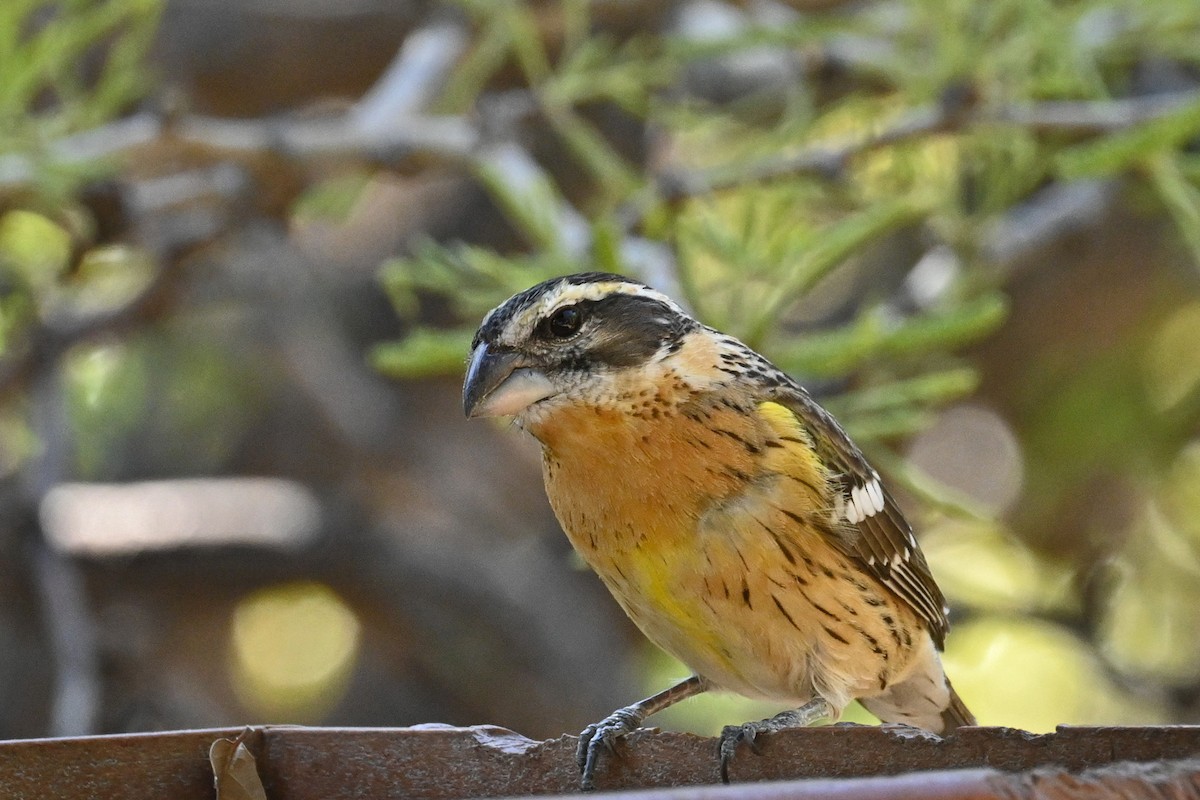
626,720
802,717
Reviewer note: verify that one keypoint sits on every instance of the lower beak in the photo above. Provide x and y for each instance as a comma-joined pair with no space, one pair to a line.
498,386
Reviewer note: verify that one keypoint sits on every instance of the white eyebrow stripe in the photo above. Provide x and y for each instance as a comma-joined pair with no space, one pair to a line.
576,293
566,294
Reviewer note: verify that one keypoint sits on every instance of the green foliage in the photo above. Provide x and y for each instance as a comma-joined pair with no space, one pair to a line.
181,398
875,334
44,286
33,249
68,66
1121,151
468,279
753,252
784,259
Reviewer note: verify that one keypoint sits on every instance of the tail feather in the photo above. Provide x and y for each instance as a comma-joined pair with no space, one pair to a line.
917,699
956,714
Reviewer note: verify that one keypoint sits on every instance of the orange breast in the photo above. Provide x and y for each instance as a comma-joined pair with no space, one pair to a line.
631,488
708,515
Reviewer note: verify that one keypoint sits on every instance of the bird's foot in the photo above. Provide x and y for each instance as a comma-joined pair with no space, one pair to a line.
604,733
734,735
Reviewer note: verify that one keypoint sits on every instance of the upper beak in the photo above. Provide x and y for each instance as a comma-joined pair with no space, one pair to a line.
497,384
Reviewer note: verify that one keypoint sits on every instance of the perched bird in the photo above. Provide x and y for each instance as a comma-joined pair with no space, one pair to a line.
729,514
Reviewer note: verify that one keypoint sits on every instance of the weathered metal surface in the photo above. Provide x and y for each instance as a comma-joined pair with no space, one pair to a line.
1177,780
147,765
441,762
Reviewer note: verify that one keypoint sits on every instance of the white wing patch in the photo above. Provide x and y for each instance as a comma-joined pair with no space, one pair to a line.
864,501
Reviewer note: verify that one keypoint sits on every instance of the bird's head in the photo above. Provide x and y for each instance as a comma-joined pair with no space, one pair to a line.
567,340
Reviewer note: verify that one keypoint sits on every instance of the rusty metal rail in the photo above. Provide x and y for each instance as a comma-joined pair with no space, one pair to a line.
839,762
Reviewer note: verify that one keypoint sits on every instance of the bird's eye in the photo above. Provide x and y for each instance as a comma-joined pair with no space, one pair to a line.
564,323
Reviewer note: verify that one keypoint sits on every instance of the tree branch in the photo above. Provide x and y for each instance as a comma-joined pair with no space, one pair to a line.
956,113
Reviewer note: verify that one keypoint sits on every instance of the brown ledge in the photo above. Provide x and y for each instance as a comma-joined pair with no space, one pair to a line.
841,761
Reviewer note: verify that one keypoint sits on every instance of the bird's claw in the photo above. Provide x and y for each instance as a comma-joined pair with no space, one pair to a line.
734,735
604,733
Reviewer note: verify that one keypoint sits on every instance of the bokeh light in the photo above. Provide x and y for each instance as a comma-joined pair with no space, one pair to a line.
1152,616
1172,361
973,450
1031,674
980,564
294,649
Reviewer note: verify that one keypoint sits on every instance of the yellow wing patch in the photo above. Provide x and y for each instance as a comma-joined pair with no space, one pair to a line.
780,418
797,458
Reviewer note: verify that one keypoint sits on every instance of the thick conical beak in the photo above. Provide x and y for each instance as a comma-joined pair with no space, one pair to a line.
498,386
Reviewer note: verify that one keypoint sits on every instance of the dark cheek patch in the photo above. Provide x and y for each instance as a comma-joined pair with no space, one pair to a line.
628,343
627,330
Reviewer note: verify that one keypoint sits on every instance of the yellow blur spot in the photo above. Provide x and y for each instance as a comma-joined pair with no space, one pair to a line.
294,649
1181,494
1152,615
1172,362
95,371
1035,675
34,246
982,565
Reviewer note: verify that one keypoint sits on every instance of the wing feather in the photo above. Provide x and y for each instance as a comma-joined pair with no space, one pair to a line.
880,539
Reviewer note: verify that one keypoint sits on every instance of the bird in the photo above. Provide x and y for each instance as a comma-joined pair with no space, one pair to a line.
730,515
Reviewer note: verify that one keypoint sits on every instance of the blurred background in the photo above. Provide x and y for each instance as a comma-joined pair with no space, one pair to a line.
244,243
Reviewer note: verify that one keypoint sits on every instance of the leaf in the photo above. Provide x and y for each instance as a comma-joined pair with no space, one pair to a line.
1181,198
481,62
875,335
471,279
593,153
1118,152
235,772
836,243
424,352
934,388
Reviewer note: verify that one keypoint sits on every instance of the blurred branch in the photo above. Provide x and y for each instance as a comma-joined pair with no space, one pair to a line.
62,596
1092,117
825,162
386,124
450,137
114,519
957,112
414,79
342,136
72,636
1025,233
